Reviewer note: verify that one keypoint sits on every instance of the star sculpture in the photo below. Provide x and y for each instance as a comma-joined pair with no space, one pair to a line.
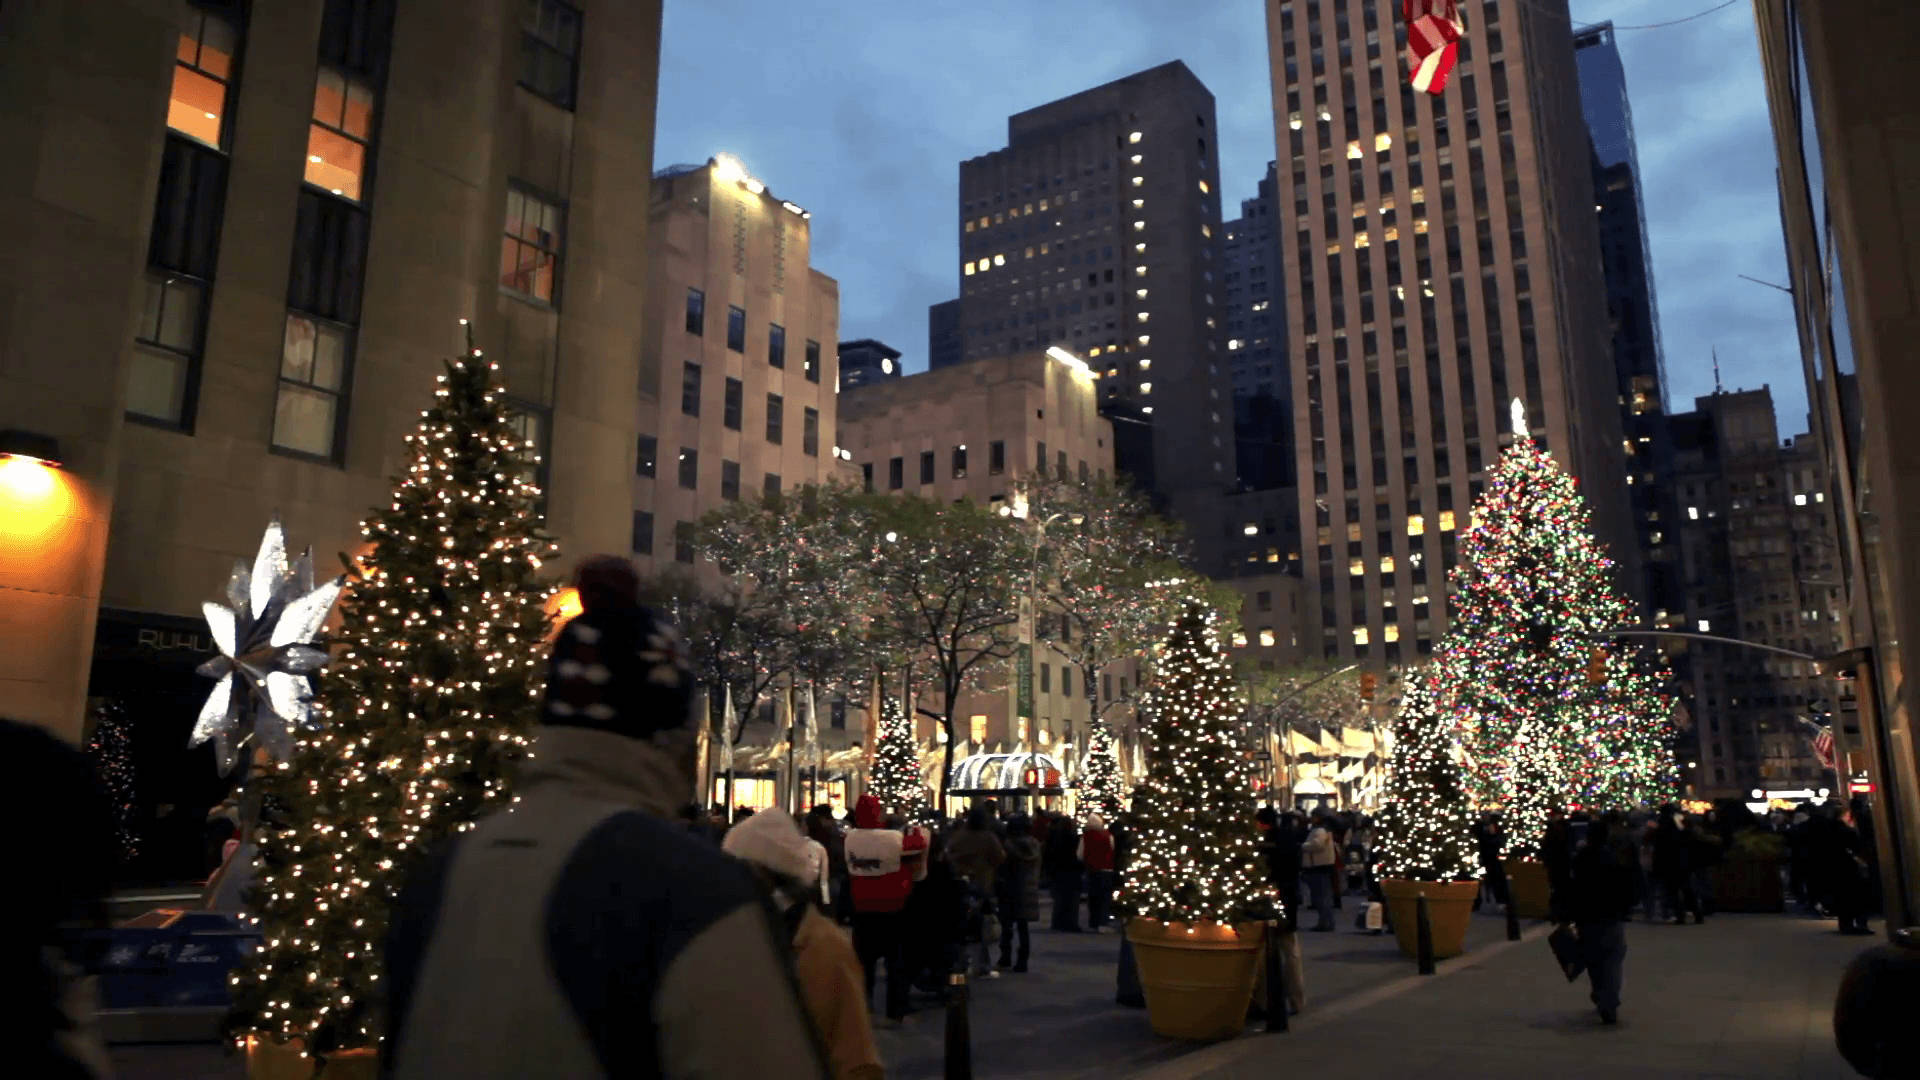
266,640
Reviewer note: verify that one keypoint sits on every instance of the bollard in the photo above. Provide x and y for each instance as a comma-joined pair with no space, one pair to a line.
1513,922
1423,936
959,1065
1276,980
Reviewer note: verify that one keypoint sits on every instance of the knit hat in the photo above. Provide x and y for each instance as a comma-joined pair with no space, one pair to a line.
618,666
771,839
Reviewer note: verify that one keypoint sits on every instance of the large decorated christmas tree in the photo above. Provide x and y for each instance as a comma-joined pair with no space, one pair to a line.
896,761
1532,602
1426,827
1100,788
1627,757
426,707
1195,857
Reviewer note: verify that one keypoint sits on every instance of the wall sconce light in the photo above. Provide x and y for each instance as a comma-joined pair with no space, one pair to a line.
31,447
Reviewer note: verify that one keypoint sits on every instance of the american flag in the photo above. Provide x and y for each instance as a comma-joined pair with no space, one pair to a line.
1823,747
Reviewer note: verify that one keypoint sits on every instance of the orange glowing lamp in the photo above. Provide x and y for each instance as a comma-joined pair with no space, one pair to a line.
562,606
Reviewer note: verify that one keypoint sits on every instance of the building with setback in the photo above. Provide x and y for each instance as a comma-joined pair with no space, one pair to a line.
736,388
1442,260
1632,314
245,236
866,360
1250,265
944,340
1096,229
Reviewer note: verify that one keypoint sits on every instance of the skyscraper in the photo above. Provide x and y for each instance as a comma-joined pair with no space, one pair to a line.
944,342
1256,331
1632,313
1096,229
866,360
1442,261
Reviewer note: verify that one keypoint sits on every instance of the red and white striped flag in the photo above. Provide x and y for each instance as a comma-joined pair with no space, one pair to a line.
1823,747
1433,35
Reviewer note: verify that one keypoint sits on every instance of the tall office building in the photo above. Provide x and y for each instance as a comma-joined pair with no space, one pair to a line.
1097,229
1632,312
1442,261
243,237
737,369
867,360
1256,329
945,344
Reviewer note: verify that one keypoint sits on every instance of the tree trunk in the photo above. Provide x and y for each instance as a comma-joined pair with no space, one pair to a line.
946,769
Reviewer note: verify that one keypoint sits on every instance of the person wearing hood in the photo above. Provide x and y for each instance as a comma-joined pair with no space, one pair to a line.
881,866
1061,862
830,975
1018,886
975,853
1096,854
579,935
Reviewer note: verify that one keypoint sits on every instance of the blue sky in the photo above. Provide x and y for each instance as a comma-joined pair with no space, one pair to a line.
862,110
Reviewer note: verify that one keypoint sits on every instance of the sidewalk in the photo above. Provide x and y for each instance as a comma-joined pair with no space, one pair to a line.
1743,996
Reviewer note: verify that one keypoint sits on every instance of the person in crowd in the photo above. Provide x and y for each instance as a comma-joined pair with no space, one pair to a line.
1800,860
1847,870
1095,852
1017,886
1318,856
1672,865
975,853
695,823
1705,843
579,934
1596,898
825,831
1338,825
1487,839
882,861
1061,863
936,919
1280,837
830,975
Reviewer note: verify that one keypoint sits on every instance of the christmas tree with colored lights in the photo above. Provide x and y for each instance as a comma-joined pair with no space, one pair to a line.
1426,826
1628,760
429,702
896,761
1100,789
1195,856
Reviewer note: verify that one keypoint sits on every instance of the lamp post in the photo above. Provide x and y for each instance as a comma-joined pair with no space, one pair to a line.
1038,527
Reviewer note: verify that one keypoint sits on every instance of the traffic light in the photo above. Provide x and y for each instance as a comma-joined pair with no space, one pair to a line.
1597,667
1368,682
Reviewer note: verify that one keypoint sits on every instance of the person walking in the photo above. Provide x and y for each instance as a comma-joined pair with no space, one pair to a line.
975,853
1280,840
1018,887
1596,898
1493,873
1061,863
1095,852
1318,853
822,829
881,864
579,934
1672,867
829,973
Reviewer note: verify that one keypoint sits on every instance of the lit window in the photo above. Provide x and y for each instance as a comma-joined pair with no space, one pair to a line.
1693,513
1706,626
1020,729
313,378
977,729
197,107
167,348
1140,316
1136,159
1139,271
1356,567
1139,226
1391,632
969,269
1383,141
1819,496
1140,248
1235,344
1420,226
1239,638
1418,195
1266,637
999,260
1133,137
337,139
1145,338
1046,737
1204,189
1333,248
1353,150
1145,363
1416,525
1386,564
1446,521
1361,240
1140,293
530,252
1146,388
969,227
1138,203
1139,181
1390,234
1326,117
1293,120
1207,230
1359,635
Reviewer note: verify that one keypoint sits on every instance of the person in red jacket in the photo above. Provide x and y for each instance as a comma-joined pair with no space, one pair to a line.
1096,853
881,866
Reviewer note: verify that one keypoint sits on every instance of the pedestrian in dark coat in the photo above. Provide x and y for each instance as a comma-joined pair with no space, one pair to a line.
1673,865
1597,898
1061,863
1018,885
1486,840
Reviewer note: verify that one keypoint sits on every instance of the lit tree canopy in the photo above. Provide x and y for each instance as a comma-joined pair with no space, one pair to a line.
1426,827
896,760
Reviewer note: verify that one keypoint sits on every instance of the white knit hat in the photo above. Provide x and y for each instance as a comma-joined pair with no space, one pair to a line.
772,840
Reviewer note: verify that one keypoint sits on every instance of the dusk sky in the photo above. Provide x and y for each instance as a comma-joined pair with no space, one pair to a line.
862,110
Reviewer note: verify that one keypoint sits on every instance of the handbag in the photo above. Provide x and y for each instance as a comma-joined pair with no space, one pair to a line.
1565,943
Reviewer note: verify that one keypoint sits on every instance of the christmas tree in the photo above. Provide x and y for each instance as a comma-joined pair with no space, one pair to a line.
1426,828
1100,790
1626,759
896,761
429,702
1195,856
110,748
1531,597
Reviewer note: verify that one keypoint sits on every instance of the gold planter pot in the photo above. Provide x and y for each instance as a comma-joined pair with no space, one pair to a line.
269,1060
1527,885
1198,977
1449,911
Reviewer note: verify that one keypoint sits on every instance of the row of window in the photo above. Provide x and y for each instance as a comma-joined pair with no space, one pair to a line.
696,324
996,465
648,464
731,409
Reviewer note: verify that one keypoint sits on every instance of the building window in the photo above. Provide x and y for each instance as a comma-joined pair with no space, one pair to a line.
308,409
198,105
730,406
926,466
977,729
996,457
1040,458
329,253
530,254
960,463
810,431
683,541
550,50
1266,637
689,468
866,476
813,361
1060,465
647,459
1046,678
338,137
1263,601
736,329
696,312
729,480
166,357
690,389
776,418
643,532
896,474
776,343
770,486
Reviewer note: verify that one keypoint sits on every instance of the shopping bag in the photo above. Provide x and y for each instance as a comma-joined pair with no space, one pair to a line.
1566,950
1374,919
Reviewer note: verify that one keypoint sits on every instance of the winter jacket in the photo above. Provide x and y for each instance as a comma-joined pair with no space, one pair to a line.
1096,849
1018,880
1062,852
974,855
580,935
1599,887
1318,849
882,862
834,989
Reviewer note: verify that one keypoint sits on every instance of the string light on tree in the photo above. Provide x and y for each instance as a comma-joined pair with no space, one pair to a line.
1100,787
111,750
1426,826
429,702
896,761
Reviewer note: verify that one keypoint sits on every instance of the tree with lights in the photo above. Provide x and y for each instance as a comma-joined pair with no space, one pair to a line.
1195,857
110,748
1100,789
428,704
896,761
1627,759
1426,827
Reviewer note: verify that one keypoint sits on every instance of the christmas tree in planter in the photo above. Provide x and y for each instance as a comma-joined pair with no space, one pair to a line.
1100,790
896,761
428,704
1194,879
1426,844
